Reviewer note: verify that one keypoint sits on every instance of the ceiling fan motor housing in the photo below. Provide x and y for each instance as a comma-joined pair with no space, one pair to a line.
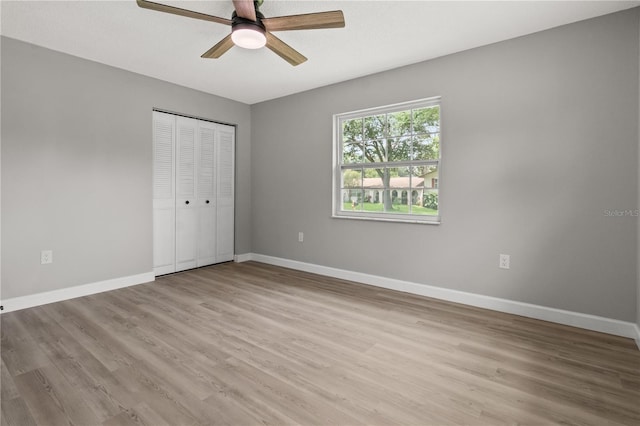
237,22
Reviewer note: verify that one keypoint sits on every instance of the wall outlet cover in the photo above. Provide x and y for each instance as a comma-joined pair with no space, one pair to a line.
46,257
504,262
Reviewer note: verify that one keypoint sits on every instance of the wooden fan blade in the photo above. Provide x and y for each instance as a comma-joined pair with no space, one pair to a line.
219,49
283,50
182,12
309,21
245,9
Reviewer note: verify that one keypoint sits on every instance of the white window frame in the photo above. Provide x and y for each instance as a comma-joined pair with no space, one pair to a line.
339,167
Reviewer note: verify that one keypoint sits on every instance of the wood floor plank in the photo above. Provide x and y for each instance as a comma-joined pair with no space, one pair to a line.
16,413
20,352
139,415
52,400
8,388
157,394
249,344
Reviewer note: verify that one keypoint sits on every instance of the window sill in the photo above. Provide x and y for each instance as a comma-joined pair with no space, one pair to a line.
395,219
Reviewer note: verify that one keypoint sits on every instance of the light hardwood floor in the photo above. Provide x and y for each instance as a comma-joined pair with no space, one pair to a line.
248,344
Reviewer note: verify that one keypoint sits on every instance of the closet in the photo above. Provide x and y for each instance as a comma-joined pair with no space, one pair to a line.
193,192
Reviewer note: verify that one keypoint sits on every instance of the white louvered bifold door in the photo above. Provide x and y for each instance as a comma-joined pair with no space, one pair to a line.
225,192
206,192
193,193
164,203
186,199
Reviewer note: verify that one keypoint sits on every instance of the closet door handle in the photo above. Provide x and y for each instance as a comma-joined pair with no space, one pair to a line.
207,201
186,202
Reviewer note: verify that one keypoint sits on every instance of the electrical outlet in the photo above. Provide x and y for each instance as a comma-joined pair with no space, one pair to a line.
300,237
504,261
46,256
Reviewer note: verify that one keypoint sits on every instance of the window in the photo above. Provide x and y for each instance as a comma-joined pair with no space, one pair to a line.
387,163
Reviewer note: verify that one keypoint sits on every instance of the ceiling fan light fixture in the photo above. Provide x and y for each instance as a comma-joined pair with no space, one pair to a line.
248,36
251,30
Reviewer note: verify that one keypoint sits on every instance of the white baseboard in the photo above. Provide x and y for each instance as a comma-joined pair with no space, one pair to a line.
23,302
575,319
239,258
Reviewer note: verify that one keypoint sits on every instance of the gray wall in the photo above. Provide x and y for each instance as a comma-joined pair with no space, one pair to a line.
638,248
540,137
76,167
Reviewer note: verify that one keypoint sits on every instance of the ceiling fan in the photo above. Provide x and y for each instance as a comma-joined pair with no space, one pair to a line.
251,30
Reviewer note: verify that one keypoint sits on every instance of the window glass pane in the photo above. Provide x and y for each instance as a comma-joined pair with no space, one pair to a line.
400,186
352,199
352,141
375,151
352,153
426,147
351,190
426,187
426,120
374,192
429,203
352,130
375,127
399,123
351,178
399,149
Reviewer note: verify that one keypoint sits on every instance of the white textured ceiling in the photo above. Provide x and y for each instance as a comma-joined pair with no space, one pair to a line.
379,35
